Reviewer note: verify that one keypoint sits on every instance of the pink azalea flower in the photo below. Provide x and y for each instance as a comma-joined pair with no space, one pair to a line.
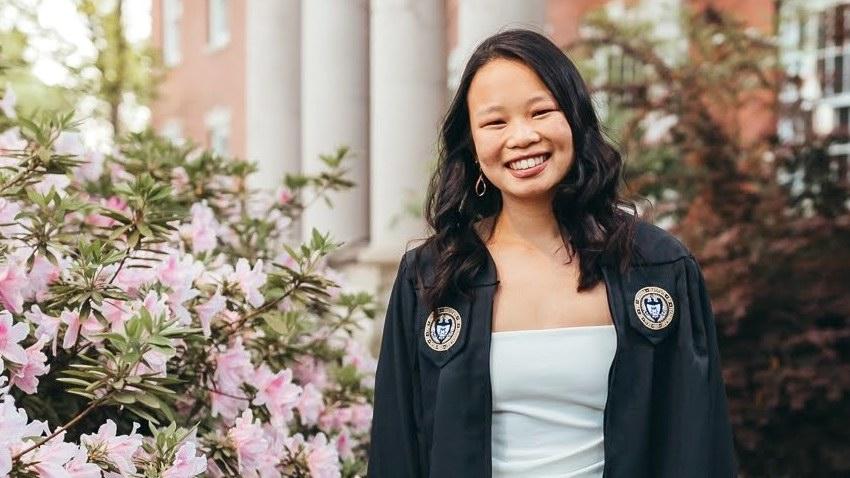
70,143
203,229
249,441
344,446
179,178
209,309
357,356
79,467
294,444
10,335
48,460
42,274
154,363
175,300
250,280
13,422
323,459
155,304
284,195
52,181
131,279
308,369
276,392
177,272
117,173
186,463
285,259
13,429
361,417
114,203
13,278
76,327
91,169
276,436
119,449
310,405
233,368
26,376
227,406
5,460
117,313
47,326
335,418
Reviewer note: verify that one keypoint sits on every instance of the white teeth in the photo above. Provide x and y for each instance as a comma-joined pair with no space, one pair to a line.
527,163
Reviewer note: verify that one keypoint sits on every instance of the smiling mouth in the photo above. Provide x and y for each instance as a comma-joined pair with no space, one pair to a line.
528,163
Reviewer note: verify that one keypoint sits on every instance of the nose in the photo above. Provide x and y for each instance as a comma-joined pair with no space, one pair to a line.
523,135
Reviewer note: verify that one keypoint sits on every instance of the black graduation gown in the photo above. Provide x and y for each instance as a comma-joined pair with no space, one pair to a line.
666,415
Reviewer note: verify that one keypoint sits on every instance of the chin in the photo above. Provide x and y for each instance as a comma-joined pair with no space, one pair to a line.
529,193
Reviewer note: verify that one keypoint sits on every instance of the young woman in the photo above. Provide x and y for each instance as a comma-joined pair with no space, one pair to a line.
542,330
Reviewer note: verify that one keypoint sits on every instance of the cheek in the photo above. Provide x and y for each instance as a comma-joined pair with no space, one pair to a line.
487,147
559,129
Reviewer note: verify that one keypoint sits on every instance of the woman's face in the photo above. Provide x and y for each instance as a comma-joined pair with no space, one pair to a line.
523,141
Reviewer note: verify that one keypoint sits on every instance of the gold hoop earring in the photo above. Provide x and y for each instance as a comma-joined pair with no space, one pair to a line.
482,184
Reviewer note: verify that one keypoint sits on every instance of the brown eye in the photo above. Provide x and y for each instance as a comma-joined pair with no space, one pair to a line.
543,112
493,123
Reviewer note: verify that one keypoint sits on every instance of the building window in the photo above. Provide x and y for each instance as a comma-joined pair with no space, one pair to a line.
172,11
832,48
833,75
218,26
625,75
218,131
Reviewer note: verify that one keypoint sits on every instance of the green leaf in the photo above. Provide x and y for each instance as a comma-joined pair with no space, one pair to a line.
142,414
151,401
126,398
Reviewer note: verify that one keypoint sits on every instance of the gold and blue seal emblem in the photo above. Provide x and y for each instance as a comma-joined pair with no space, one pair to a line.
654,307
442,328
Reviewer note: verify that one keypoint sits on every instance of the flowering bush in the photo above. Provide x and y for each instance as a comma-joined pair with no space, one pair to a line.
155,322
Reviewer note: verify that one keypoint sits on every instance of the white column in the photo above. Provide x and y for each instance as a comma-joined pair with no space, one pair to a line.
408,95
273,94
335,109
479,19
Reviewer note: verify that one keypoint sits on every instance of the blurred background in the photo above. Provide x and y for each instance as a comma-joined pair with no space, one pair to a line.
733,117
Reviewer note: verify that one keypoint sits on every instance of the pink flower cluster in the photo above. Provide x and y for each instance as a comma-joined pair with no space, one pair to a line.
259,448
94,457
268,414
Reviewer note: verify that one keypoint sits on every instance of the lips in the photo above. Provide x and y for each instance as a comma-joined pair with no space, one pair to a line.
534,157
530,172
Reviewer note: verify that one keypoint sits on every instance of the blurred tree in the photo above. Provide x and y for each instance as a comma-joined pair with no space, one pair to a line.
124,68
768,220
31,93
97,61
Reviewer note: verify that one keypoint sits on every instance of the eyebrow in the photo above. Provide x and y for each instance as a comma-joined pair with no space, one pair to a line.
533,99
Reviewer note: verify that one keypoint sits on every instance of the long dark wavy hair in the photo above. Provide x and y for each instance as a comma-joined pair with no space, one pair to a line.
595,221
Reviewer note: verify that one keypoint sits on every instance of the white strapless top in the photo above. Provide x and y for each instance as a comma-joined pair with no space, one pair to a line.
549,390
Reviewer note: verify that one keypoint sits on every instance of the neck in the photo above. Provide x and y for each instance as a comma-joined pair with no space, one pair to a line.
527,223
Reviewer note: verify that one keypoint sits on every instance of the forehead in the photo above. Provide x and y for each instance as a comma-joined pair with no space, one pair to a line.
504,82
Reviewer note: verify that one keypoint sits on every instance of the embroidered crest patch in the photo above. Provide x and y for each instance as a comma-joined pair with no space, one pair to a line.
442,332
654,307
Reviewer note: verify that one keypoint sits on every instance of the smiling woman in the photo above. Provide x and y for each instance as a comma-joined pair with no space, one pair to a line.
522,139
542,329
